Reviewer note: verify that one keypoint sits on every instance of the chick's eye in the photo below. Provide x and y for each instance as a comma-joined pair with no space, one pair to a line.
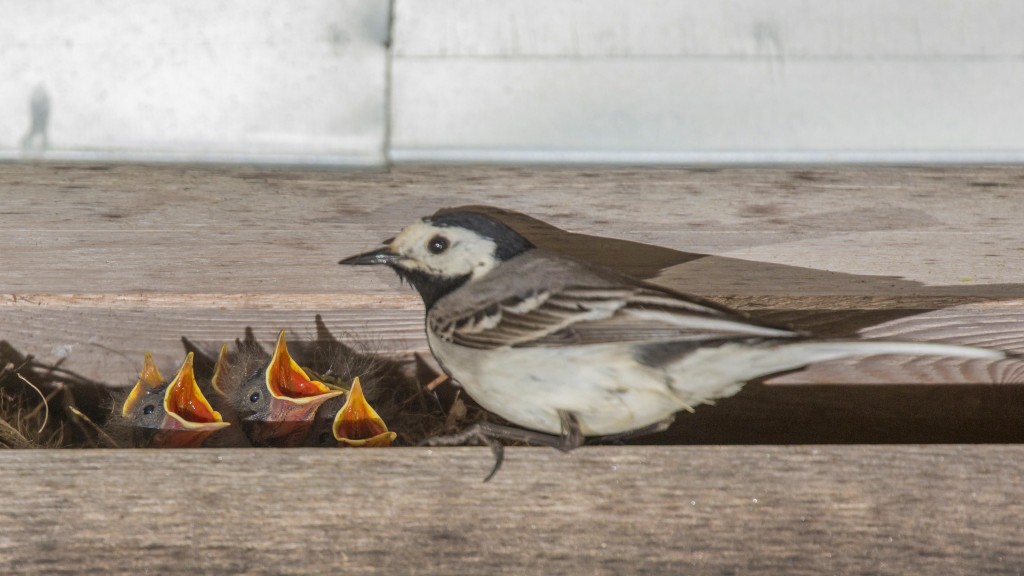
148,409
255,397
437,244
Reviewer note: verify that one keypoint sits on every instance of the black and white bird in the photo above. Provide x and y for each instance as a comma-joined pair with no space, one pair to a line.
562,347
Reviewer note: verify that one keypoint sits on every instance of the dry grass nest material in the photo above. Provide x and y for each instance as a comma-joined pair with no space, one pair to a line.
48,406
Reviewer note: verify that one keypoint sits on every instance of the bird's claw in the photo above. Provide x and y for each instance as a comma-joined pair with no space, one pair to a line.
475,435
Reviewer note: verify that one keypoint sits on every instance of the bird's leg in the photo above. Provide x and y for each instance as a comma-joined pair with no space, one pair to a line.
491,435
482,433
660,426
571,436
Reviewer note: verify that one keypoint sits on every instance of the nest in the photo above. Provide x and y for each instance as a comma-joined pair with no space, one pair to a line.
48,406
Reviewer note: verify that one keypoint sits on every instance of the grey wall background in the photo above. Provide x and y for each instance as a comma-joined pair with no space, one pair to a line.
367,81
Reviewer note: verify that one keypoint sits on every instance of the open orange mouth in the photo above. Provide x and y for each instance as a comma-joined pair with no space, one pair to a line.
185,404
286,380
149,379
358,424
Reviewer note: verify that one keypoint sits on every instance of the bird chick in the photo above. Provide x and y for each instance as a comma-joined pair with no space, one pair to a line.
278,402
358,424
396,396
282,417
171,414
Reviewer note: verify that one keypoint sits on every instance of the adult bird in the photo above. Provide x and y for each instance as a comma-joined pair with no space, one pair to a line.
566,348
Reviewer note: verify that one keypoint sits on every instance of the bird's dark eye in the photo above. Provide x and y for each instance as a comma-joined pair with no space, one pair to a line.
148,409
437,244
255,397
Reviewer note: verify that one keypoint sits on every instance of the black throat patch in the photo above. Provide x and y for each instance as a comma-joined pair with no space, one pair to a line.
431,288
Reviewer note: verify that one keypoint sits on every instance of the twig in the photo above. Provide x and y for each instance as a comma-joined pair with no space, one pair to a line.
46,405
456,413
99,431
32,413
436,382
55,369
12,435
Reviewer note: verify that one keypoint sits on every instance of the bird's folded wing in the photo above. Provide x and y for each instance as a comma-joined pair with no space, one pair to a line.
576,315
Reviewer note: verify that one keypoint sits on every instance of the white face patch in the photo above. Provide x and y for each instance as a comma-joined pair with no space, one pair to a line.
466,253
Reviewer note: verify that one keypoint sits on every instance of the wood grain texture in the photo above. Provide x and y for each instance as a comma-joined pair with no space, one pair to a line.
81,229
718,510
102,263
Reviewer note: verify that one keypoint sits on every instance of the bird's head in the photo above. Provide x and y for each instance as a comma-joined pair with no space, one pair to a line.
440,253
173,414
278,402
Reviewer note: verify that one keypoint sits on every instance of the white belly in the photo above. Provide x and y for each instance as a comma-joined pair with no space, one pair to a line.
608,391
611,393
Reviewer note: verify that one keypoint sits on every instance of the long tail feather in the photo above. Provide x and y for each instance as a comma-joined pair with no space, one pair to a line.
827,350
719,372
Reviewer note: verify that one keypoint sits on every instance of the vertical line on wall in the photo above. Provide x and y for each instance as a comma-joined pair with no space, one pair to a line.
388,82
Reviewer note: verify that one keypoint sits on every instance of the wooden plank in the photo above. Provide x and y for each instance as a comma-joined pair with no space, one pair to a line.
193,80
183,230
737,28
793,510
107,344
102,263
680,110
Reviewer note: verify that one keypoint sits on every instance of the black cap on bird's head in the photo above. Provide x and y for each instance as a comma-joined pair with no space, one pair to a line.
509,243
445,251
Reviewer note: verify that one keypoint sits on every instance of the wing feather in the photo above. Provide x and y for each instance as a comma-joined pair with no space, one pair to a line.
575,315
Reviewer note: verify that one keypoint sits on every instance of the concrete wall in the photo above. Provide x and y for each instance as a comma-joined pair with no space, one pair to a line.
342,82
297,81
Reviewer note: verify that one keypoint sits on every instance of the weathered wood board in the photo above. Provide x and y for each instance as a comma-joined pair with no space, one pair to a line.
99,264
102,263
636,510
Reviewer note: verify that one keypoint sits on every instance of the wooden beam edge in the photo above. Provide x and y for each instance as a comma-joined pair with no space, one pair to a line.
718,509
409,301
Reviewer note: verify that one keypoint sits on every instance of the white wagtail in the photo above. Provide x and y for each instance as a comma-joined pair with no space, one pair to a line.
569,349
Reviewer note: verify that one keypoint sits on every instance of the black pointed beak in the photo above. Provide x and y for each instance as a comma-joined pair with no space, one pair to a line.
380,256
